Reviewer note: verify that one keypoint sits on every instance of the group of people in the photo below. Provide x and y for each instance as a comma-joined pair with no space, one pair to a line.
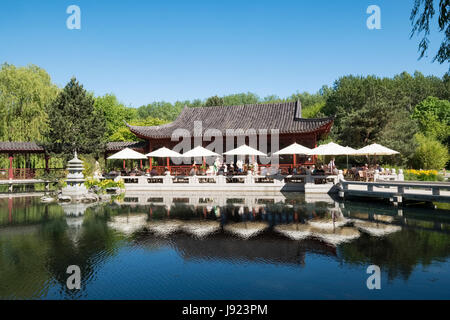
239,167
222,168
358,171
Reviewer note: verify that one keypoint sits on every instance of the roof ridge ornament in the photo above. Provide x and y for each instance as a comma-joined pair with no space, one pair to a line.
298,109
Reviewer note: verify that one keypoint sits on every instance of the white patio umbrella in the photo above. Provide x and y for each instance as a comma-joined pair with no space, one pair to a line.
245,150
329,149
163,153
199,151
376,149
127,154
294,149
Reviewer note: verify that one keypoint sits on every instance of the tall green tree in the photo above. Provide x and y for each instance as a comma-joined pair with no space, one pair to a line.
115,113
25,94
161,110
430,153
75,124
363,106
433,116
398,135
124,134
214,101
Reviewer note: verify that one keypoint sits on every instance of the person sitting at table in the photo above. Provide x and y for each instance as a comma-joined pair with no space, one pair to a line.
240,166
313,169
320,171
166,171
332,165
263,171
153,172
255,167
210,171
302,170
308,171
220,170
193,170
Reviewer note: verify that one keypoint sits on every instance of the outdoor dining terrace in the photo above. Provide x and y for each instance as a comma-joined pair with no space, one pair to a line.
230,182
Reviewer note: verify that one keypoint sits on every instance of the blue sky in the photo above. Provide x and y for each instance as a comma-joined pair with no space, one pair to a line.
170,50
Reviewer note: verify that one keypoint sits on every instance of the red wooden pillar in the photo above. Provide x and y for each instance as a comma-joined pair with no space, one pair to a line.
11,170
295,160
123,164
141,164
168,164
150,160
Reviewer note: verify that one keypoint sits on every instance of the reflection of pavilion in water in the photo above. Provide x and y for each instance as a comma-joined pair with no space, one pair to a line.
265,248
248,199
245,216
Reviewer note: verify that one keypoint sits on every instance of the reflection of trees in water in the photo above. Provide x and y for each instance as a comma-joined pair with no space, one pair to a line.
26,210
30,260
22,269
399,253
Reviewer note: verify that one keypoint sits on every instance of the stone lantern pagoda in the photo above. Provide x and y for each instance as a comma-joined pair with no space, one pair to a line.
75,179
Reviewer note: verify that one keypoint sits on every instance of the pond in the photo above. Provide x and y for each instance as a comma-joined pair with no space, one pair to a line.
215,246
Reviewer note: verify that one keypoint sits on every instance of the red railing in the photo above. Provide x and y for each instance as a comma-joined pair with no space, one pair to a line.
27,173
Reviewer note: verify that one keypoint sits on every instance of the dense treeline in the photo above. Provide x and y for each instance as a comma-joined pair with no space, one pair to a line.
409,113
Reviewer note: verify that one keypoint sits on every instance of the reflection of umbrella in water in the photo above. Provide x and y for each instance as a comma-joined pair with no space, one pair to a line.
128,224
337,236
246,230
165,227
384,218
377,229
295,231
200,229
328,223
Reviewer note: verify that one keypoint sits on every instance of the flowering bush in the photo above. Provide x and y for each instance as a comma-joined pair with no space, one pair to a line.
104,184
422,175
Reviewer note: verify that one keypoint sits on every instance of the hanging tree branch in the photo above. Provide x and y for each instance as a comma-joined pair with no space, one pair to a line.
421,24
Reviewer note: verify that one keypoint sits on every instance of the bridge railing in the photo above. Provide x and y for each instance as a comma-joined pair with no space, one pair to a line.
397,187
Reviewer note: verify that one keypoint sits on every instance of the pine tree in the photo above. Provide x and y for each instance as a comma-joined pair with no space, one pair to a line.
75,124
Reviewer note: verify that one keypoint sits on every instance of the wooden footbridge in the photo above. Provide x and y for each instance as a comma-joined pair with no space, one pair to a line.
396,191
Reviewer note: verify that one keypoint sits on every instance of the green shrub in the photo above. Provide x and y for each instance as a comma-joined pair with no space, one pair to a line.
430,153
104,184
423,175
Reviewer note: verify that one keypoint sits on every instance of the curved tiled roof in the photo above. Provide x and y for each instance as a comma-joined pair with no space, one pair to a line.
26,147
33,147
120,145
286,117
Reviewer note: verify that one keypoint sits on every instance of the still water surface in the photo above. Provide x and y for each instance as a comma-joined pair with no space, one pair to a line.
266,246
